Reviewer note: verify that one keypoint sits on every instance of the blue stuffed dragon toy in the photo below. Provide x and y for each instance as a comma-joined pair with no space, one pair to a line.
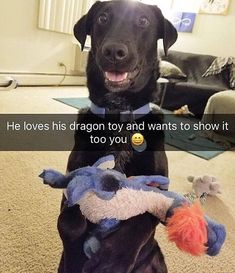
106,197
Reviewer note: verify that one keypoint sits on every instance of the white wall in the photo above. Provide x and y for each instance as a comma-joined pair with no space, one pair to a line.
24,47
212,34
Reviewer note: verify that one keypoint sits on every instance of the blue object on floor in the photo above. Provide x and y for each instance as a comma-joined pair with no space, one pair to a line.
75,102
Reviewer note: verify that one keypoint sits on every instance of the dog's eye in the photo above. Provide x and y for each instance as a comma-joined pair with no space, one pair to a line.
103,19
143,21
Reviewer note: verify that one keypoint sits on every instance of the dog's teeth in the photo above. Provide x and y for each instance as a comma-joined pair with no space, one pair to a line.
115,76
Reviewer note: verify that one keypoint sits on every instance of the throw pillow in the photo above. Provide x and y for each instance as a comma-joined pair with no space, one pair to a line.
169,70
220,64
232,76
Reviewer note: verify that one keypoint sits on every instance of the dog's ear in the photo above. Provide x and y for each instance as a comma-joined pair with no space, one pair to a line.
83,27
170,35
167,31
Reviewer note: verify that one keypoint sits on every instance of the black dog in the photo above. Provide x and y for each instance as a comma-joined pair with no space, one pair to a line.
121,74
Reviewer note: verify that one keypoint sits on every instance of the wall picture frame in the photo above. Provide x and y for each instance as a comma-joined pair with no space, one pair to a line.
183,21
217,7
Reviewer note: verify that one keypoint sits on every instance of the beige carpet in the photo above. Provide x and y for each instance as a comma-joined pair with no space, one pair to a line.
29,241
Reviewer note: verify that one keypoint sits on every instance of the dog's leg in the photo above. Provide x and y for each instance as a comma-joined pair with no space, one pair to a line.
72,228
153,262
119,250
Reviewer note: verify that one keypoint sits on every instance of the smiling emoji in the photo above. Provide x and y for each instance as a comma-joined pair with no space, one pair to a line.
137,139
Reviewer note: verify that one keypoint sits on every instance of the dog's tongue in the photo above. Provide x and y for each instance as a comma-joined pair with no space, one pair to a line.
116,76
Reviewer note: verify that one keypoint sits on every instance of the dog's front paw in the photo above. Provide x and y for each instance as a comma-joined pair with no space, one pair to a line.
71,224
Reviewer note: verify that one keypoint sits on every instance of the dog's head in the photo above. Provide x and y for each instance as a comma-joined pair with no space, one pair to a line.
124,38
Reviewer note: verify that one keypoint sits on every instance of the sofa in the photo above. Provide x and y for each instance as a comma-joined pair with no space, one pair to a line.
190,87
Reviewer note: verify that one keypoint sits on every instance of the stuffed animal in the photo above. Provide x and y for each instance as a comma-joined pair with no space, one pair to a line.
204,185
106,197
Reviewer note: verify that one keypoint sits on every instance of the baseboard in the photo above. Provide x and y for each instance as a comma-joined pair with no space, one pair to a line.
44,79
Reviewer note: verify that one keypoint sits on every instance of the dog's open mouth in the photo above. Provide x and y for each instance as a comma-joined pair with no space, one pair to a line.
118,81
116,77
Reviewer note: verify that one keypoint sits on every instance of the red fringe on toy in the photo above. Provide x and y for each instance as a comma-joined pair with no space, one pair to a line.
187,228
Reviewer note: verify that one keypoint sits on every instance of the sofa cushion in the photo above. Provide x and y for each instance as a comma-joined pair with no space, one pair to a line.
219,65
199,87
169,70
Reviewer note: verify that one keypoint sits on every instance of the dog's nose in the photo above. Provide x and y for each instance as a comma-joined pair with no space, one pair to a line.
115,52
